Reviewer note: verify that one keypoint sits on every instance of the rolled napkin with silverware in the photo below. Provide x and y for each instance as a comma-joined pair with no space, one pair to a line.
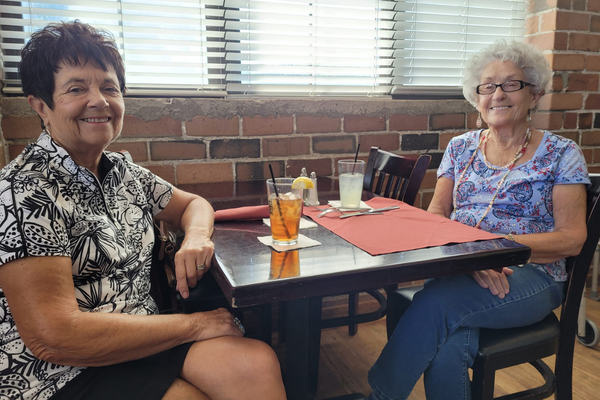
370,211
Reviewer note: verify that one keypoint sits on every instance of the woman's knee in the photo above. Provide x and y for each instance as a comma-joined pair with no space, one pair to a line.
259,359
181,389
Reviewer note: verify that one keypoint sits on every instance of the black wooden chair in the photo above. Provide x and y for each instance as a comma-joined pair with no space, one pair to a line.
388,175
502,348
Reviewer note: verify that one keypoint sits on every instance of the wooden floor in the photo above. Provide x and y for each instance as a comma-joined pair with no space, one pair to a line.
346,359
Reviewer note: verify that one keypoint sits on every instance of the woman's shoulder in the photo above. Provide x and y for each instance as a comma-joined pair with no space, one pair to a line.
557,141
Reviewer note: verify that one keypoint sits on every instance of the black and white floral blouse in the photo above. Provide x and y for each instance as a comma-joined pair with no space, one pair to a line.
50,206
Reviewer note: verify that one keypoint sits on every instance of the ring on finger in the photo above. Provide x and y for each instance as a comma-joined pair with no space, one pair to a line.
200,267
239,325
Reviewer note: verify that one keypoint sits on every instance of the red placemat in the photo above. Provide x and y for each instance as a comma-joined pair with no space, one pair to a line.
407,228
239,213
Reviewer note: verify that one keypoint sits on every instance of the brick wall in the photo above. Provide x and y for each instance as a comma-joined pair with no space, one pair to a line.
217,141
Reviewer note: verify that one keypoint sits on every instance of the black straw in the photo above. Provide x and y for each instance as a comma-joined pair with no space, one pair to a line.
287,233
273,177
355,158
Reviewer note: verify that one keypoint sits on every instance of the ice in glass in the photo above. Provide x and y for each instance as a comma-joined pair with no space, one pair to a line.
285,211
351,175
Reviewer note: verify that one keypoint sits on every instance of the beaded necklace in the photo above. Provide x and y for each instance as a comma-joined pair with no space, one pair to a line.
509,166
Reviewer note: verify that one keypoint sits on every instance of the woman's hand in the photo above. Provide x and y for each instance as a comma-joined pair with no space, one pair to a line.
213,324
494,280
192,260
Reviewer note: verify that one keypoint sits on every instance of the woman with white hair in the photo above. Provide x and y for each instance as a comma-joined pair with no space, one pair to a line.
511,179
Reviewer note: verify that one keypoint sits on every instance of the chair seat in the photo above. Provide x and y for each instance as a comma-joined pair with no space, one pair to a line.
498,342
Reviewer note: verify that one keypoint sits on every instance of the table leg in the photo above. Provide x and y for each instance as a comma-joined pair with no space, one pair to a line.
297,368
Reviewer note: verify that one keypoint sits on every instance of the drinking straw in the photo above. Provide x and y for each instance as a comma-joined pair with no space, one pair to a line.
287,233
355,158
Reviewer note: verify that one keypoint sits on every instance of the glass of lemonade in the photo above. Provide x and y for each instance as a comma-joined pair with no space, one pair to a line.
351,175
285,211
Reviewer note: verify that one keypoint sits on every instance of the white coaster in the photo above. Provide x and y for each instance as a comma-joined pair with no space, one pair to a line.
303,242
304,223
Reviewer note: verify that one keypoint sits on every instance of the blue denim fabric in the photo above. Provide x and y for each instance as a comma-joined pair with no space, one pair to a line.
438,336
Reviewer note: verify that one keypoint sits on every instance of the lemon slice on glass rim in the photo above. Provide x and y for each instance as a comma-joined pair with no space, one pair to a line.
302,182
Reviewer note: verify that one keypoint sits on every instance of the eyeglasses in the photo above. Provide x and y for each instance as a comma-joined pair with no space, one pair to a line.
508,86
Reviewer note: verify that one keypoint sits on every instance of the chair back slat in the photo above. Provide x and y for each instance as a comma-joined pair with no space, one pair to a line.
395,176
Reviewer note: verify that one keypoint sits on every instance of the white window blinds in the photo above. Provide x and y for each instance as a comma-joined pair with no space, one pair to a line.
434,39
169,47
279,47
318,47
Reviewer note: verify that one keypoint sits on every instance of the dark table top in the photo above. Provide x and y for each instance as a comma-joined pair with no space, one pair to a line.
337,266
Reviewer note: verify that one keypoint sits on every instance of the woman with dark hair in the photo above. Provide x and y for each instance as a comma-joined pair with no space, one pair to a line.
76,239
513,180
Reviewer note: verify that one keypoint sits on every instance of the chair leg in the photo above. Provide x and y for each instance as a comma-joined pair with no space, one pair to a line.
352,311
482,386
314,343
266,331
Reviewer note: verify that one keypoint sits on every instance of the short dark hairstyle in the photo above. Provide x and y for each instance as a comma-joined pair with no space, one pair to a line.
73,43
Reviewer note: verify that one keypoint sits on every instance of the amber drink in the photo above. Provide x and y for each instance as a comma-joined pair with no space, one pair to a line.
285,264
285,210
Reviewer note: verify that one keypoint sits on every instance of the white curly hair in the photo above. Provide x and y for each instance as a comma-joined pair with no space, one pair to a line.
525,56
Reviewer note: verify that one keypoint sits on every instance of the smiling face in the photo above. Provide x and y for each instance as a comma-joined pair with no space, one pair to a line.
88,110
501,109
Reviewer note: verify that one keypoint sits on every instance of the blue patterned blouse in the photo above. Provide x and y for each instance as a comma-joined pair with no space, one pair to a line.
524,202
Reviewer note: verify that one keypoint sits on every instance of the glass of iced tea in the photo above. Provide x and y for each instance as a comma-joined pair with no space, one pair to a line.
285,210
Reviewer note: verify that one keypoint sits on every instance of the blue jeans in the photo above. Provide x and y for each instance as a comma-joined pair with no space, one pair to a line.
438,336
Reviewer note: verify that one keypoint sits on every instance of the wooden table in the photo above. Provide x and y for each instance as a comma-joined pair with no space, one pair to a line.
242,269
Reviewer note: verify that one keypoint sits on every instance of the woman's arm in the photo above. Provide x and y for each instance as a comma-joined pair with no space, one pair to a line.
570,230
195,216
41,297
442,201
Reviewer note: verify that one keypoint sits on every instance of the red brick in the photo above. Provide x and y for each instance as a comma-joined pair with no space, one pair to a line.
13,151
546,120
135,127
573,135
565,20
446,137
317,124
549,40
180,150
472,121
320,166
389,141
590,138
259,170
334,144
583,82
430,179
561,101
426,198
592,63
542,5
595,24
578,5
289,146
260,126
206,126
21,127
363,123
594,170
596,158
204,173
588,154
2,157
593,5
566,62
167,172
584,41
399,122
592,102
138,150
447,121
557,83
234,148
585,120
570,121
531,24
